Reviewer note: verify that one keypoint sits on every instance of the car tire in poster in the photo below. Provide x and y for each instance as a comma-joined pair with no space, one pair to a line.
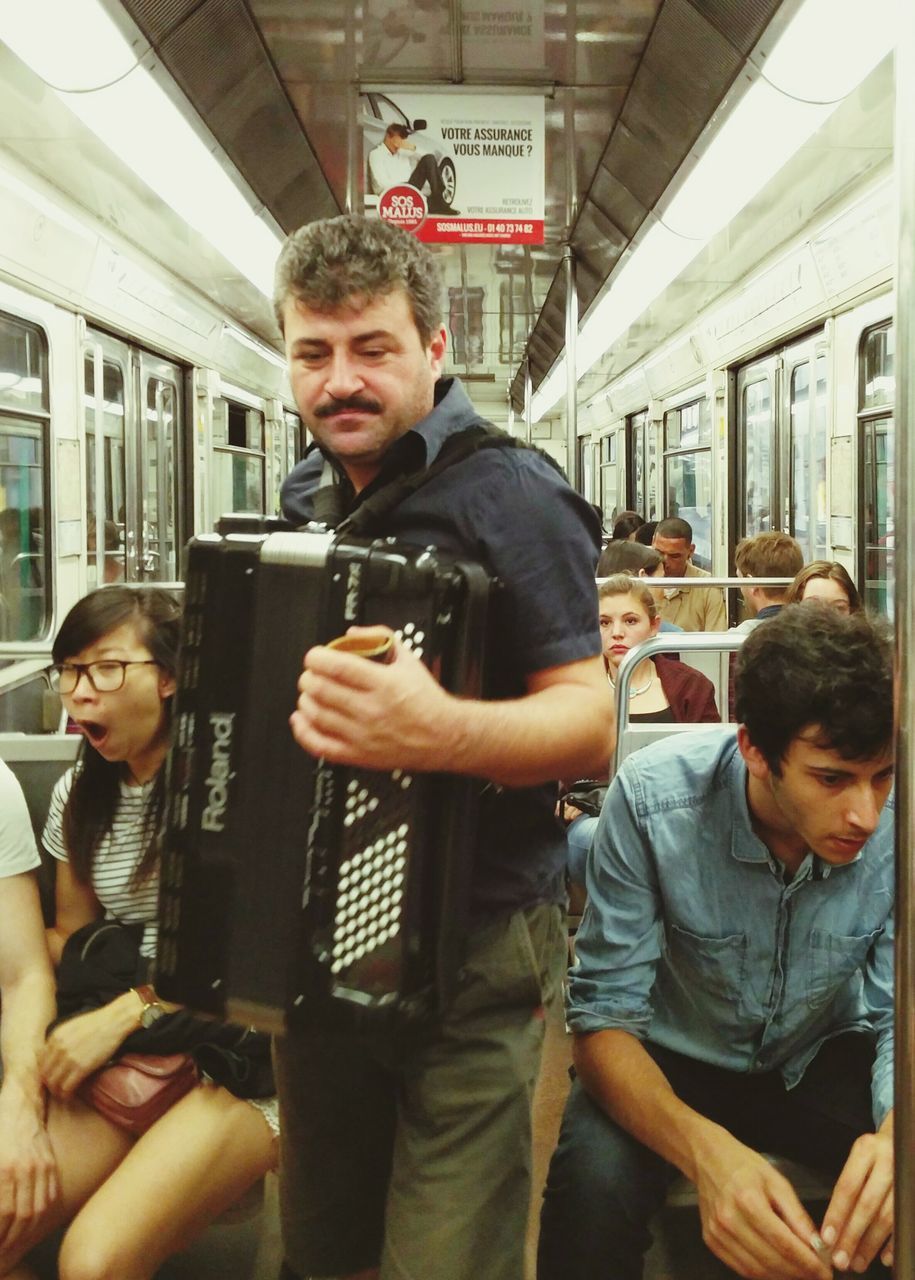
449,181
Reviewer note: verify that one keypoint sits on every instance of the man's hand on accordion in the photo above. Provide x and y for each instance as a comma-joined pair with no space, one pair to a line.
377,715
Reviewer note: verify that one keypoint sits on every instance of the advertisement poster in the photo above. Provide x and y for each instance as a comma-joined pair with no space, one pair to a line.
454,168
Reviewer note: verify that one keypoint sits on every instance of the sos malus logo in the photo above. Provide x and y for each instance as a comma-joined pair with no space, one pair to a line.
404,206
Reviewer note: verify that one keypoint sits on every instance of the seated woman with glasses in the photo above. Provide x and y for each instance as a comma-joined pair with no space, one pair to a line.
130,1201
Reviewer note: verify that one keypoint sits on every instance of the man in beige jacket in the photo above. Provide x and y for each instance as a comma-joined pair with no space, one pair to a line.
692,608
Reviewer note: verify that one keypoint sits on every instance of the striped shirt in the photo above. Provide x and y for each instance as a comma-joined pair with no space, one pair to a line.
116,859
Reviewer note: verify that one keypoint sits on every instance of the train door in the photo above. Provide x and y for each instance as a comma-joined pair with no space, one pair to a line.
876,470
782,436
688,472
160,469
108,405
132,419
285,435
25,563
612,496
642,451
586,468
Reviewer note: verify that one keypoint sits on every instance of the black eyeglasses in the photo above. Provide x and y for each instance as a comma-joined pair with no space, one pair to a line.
105,676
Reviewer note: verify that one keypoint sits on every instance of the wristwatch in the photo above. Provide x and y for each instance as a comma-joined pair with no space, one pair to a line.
152,1010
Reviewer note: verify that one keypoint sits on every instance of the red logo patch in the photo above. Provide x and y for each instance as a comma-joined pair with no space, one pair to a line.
404,206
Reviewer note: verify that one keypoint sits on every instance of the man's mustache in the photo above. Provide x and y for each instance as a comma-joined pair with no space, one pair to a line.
359,403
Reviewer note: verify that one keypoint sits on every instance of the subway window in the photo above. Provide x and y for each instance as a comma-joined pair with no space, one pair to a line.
239,458
688,472
876,467
25,606
609,480
638,473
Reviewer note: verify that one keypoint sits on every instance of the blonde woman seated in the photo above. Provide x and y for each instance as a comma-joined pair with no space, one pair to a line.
662,690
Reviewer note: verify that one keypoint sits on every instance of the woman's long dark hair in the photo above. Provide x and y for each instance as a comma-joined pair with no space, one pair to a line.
96,790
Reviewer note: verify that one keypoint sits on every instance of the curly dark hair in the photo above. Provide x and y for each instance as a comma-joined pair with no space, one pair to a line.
95,793
811,667
328,263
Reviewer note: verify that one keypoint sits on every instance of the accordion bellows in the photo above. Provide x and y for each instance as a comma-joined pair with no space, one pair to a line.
292,889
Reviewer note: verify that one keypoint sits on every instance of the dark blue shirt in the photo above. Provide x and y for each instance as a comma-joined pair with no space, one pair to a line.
510,510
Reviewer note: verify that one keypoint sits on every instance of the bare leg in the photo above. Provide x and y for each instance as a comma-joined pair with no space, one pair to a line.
191,1165
87,1148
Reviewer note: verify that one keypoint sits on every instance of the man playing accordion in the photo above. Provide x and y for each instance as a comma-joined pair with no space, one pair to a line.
407,1153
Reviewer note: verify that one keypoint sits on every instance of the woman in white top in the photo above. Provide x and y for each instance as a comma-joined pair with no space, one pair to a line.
130,1202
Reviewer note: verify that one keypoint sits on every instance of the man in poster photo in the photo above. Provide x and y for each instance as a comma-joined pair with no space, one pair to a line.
393,162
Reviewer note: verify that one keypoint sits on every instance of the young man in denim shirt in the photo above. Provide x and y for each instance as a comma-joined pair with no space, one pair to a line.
733,991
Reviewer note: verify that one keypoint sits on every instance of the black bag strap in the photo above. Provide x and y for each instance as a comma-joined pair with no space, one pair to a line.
479,435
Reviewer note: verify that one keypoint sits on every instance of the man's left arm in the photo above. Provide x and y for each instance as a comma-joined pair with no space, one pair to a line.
351,711
28,1174
859,1220
716,615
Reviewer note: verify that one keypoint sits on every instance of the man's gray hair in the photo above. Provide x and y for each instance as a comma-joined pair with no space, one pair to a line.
328,263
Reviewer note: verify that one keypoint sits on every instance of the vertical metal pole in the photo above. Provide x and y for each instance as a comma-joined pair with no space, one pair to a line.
572,467
905,637
355,158
465,309
528,398
455,24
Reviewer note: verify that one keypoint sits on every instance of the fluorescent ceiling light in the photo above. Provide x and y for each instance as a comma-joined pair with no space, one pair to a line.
824,53
252,344
821,54
133,116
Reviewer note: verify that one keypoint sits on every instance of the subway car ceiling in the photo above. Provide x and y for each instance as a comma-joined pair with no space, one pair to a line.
272,87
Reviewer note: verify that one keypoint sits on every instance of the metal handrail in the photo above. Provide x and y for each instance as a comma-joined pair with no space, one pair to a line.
728,583
682,642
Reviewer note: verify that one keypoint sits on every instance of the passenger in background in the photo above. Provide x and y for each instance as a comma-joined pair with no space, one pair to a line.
626,526
766,555
663,691
28,1171
692,608
645,533
132,1201
828,582
639,561
733,991
410,1152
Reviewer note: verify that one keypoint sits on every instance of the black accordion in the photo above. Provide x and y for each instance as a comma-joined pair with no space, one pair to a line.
292,889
